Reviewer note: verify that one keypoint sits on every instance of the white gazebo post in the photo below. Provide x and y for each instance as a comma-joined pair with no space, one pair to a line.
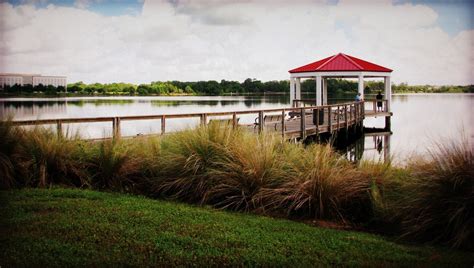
388,92
318,90
361,86
298,88
325,91
292,91
388,97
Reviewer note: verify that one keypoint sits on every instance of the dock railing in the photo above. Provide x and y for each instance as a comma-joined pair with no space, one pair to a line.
333,117
371,106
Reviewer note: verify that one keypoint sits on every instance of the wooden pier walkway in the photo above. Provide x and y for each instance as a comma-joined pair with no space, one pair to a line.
294,122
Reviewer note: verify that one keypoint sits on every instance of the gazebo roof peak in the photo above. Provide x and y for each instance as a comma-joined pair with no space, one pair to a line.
340,63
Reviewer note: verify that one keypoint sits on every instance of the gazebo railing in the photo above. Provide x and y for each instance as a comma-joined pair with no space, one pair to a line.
371,106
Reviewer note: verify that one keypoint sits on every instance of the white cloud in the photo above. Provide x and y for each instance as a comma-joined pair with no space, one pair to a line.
230,40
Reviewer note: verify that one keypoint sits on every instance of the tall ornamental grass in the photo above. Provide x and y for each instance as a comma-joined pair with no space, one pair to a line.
10,140
319,183
430,200
188,161
112,165
251,164
44,159
435,203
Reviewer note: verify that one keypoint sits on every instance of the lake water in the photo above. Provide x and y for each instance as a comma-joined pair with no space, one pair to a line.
418,120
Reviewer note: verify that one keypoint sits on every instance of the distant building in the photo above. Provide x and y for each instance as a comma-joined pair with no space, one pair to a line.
11,79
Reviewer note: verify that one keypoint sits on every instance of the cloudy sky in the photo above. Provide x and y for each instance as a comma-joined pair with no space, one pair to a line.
425,42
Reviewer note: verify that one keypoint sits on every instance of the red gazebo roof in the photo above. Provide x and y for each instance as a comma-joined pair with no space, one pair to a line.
340,62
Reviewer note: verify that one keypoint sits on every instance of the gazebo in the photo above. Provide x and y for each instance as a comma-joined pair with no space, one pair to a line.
338,66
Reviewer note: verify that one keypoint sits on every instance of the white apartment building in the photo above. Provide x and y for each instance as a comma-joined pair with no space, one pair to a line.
10,79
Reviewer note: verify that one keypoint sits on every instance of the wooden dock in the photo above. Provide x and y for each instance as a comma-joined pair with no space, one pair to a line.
291,123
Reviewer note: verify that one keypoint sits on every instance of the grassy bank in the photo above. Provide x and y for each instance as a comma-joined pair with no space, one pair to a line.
66,227
428,201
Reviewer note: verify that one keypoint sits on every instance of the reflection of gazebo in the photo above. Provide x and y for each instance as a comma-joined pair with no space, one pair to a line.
339,66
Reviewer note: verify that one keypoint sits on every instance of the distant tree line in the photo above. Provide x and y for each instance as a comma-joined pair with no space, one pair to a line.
248,86
405,88
29,89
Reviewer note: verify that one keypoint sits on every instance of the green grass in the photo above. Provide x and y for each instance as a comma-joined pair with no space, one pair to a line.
66,227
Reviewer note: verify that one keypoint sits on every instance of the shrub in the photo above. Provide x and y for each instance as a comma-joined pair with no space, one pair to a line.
10,139
112,165
253,163
435,203
147,153
188,159
47,159
320,184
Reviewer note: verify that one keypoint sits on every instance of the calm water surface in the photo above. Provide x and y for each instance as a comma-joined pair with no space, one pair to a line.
419,119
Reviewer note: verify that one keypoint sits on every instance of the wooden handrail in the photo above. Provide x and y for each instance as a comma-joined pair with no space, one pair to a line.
357,107
374,105
160,116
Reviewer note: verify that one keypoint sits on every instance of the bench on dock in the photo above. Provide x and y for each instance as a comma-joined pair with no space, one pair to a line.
295,114
270,119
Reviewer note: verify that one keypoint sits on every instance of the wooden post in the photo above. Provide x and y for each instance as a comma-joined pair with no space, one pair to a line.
234,120
350,113
303,124
356,112
374,106
362,112
283,126
116,127
203,119
338,117
59,129
388,124
163,124
316,112
345,117
260,122
330,119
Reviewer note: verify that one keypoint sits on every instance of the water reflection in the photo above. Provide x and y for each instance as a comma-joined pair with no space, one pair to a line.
30,108
371,146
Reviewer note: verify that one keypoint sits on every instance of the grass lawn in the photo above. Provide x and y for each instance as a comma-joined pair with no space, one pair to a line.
66,227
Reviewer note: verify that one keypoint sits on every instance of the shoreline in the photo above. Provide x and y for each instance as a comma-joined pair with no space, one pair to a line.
72,95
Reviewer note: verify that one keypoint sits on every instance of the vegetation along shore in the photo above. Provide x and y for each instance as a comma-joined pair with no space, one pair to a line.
427,201
248,86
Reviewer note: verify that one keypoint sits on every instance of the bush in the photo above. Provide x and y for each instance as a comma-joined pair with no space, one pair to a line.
435,203
10,139
253,163
47,159
112,165
320,184
188,160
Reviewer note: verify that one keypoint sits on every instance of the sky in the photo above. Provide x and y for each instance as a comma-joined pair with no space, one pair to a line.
139,41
